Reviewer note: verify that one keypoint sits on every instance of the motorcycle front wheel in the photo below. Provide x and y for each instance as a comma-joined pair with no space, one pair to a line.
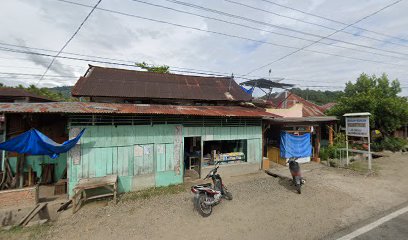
299,188
202,208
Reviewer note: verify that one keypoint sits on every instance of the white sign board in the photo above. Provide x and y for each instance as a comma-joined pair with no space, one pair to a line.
358,126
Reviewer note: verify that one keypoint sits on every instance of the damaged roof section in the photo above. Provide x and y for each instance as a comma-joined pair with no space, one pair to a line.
138,109
286,100
130,84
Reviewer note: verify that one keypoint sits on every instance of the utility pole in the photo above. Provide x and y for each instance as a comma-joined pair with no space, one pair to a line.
232,77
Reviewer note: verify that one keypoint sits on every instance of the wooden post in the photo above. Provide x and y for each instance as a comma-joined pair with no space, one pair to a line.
347,151
3,153
317,144
30,180
201,154
331,133
264,129
369,152
20,170
263,146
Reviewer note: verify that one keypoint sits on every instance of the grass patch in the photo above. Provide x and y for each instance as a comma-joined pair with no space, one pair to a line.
34,232
362,167
152,192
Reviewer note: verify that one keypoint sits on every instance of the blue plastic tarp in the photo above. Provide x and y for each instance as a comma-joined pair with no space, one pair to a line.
35,143
294,146
249,91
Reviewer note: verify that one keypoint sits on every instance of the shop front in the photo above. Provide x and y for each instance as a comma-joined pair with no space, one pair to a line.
227,146
320,130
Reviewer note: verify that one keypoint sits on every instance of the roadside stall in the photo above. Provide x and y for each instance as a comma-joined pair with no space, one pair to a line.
320,130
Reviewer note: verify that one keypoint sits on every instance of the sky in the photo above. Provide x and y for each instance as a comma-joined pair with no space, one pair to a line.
240,38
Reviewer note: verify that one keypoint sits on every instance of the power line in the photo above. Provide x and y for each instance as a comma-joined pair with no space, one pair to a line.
69,40
286,35
10,66
68,53
104,62
34,74
110,63
335,21
129,65
113,59
316,24
323,86
229,35
68,76
303,48
273,25
7,58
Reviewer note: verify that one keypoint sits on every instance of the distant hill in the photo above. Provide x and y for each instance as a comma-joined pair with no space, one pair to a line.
64,90
317,96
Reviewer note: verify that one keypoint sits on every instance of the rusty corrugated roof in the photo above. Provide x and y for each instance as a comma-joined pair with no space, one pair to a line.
16,92
328,106
304,119
148,109
123,83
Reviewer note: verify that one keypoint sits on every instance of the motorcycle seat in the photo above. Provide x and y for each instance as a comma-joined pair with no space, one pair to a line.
205,185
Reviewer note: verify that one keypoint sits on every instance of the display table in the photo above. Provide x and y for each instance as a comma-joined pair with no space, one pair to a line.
109,182
232,156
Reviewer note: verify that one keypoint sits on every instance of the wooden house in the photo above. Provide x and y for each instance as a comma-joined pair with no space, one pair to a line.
152,129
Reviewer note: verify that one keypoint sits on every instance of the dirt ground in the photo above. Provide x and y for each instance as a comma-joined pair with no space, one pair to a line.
263,208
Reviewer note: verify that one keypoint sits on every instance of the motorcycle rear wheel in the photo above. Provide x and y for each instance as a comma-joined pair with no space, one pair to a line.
202,208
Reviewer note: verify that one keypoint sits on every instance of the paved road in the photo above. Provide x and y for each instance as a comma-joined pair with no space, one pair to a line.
393,225
396,228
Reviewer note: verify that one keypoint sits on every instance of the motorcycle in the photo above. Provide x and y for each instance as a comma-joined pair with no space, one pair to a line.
208,195
297,178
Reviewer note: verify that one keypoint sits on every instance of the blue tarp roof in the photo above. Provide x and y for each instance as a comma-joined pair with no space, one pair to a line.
35,143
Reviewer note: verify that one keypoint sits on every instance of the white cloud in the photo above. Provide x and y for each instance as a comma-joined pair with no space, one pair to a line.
48,24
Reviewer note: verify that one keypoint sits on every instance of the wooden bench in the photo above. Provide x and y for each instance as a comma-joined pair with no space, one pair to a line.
109,182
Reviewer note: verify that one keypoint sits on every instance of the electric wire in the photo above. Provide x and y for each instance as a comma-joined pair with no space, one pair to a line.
267,24
286,35
303,48
323,26
339,22
70,39
232,36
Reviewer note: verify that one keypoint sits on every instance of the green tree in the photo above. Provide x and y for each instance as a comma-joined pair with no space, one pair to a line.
45,92
317,96
152,68
377,95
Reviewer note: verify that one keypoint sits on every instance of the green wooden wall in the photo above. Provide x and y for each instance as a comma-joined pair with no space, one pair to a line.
143,156
36,161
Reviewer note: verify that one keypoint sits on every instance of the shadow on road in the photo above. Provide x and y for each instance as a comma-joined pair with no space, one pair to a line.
287,183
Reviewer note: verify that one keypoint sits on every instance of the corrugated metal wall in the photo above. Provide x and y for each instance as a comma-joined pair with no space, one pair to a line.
144,156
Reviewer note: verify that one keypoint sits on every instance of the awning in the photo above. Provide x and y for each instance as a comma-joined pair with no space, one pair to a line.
301,119
35,143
